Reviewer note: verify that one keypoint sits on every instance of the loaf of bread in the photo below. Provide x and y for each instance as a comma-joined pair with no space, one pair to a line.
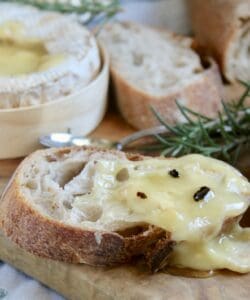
222,29
83,205
155,68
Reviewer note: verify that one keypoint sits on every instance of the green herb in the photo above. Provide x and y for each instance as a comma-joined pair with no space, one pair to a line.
92,7
223,137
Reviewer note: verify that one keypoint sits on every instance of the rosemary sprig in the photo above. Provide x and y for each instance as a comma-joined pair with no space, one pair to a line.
91,7
223,137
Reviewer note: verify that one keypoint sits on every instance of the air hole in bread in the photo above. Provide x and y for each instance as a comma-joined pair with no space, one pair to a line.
31,184
180,64
135,157
244,20
197,71
205,63
51,158
137,58
70,171
116,38
92,213
57,156
245,221
122,175
133,231
35,170
67,205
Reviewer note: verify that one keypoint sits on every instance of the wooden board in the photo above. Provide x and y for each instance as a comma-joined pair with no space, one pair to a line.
78,282
82,282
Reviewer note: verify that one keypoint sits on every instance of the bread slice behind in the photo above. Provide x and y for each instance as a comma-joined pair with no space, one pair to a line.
155,68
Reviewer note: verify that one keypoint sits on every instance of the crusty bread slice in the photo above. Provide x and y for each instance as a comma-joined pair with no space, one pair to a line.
36,213
40,208
222,28
155,68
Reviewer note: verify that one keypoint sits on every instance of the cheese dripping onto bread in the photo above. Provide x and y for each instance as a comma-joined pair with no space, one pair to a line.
198,199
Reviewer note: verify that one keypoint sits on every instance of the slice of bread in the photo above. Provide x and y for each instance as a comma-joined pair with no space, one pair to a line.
222,29
155,68
84,205
36,213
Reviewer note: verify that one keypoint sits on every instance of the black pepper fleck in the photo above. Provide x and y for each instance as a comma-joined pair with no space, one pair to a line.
141,195
201,193
174,173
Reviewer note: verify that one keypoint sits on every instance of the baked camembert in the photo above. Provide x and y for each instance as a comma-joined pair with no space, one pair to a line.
43,56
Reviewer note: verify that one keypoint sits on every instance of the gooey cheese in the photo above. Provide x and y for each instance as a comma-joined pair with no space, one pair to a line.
22,55
147,193
230,251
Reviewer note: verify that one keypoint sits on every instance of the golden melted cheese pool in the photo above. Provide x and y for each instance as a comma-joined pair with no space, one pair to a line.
147,192
20,55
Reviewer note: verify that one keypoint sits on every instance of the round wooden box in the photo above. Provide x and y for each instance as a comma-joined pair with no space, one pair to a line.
80,113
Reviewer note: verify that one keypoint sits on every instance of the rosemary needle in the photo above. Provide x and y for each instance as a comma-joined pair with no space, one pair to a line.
223,137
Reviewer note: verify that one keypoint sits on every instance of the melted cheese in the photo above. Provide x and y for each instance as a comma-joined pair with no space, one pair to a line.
21,55
149,194
229,251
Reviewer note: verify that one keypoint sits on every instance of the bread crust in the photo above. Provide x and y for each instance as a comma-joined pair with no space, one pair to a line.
216,24
47,237
203,96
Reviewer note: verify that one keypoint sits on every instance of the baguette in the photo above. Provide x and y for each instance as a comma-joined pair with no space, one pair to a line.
222,29
155,68
103,208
